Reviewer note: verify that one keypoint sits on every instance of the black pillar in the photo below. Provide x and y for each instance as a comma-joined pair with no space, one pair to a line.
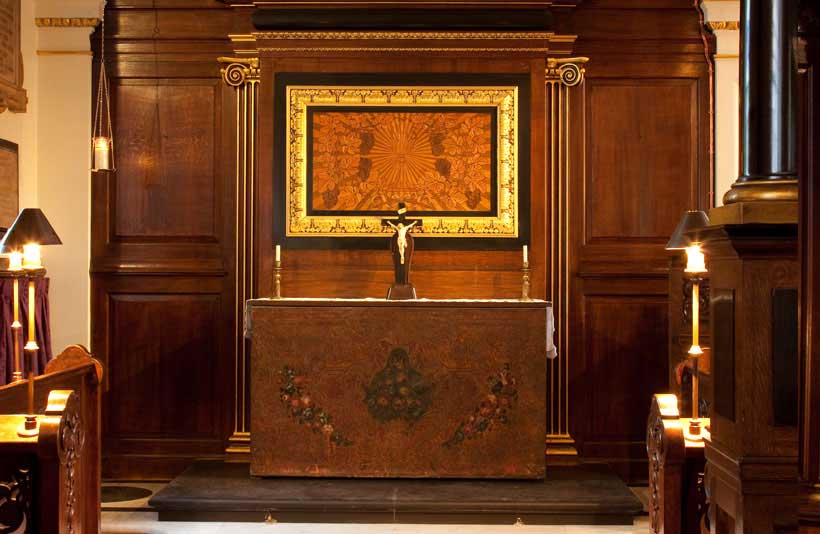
768,102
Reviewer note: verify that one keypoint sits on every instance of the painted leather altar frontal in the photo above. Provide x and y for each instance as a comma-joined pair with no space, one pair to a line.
429,390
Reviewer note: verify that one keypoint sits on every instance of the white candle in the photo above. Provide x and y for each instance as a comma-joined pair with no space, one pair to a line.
102,153
16,261
278,253
526,257
31,256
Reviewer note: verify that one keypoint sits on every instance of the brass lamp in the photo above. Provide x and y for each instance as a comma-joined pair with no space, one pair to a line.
685,237
27,234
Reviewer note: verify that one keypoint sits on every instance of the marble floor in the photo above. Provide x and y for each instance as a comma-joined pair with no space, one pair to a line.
146,523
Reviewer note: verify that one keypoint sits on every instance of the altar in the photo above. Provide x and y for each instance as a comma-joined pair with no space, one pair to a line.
413,388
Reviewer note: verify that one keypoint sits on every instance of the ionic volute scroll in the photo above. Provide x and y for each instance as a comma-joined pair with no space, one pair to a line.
237,71
568,70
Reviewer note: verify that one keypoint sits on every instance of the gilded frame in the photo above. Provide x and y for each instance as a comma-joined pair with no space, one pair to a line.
504,226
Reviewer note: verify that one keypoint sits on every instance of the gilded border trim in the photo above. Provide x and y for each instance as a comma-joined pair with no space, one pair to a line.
723,25
399,36
398,49
299,98
66,22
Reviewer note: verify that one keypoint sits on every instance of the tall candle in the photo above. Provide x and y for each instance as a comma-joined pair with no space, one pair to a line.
31,344
696,314
278,253
16,323
526,256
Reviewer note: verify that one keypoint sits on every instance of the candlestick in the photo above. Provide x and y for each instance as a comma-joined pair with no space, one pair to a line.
278,253
525,281
29,426
17,374
277,278
31,344
526,256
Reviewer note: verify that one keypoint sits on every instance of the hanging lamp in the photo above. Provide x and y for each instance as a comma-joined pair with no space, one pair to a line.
102,137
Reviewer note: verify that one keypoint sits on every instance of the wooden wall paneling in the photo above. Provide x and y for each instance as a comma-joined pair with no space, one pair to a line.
164,346
643,159
637,52
361,273
163,317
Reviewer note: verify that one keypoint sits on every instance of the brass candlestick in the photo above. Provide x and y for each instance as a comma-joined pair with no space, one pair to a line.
29,427
525,281
17,375
277,279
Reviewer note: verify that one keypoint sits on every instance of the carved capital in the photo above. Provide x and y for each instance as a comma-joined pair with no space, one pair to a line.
237,71
723,25
569,71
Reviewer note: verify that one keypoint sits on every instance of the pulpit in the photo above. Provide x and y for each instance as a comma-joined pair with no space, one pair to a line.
416,388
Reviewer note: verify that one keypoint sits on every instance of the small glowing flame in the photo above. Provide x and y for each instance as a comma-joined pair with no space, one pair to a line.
695,260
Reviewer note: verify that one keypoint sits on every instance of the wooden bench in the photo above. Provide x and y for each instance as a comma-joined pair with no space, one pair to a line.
51,481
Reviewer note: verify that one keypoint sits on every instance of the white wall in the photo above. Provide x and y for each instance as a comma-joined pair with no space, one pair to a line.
724,16
54,147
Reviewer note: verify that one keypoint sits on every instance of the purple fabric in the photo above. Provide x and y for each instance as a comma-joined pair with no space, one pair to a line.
41,325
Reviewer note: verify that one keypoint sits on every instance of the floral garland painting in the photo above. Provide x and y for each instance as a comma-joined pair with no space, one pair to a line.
369,161
493,410
398,391
295,397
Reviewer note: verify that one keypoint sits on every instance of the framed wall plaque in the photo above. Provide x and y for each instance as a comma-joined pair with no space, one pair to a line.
9,184
12,94
349,147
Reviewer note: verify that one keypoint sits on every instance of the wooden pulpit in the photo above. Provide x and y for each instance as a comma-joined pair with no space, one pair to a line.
378,388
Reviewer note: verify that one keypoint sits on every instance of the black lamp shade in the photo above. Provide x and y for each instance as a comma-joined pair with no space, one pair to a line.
692,220
30,226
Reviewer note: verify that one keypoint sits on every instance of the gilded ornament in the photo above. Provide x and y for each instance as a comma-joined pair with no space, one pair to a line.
237,71
569,71
300,98
399,36
66,22
723,25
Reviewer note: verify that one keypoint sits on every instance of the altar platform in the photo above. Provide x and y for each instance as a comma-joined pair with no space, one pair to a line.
587,494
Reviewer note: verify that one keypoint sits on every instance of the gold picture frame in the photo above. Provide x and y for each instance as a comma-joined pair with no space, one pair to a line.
500,220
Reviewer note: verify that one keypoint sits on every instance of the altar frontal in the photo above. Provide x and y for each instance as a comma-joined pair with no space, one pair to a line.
378,388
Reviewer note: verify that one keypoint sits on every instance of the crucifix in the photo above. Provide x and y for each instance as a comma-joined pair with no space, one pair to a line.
401,248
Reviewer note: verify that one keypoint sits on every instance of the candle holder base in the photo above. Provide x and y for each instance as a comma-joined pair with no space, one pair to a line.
694,430
525,282
277,279
29,428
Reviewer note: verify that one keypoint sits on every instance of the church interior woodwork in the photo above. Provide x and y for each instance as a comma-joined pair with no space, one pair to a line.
616,159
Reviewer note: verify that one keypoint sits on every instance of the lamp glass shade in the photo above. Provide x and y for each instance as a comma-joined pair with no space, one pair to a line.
692,220
30,226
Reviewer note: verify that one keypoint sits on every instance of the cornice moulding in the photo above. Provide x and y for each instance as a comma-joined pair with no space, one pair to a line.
66,22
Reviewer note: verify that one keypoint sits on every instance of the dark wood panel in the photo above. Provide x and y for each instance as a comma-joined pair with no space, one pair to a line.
642,157
617,353
160,345
169,364
165,177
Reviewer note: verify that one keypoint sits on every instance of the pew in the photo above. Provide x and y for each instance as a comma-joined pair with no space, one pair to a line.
51,482
677,501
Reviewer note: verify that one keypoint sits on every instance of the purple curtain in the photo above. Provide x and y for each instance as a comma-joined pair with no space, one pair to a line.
41,325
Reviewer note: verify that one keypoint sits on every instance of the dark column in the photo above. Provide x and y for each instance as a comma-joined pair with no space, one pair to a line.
768,71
